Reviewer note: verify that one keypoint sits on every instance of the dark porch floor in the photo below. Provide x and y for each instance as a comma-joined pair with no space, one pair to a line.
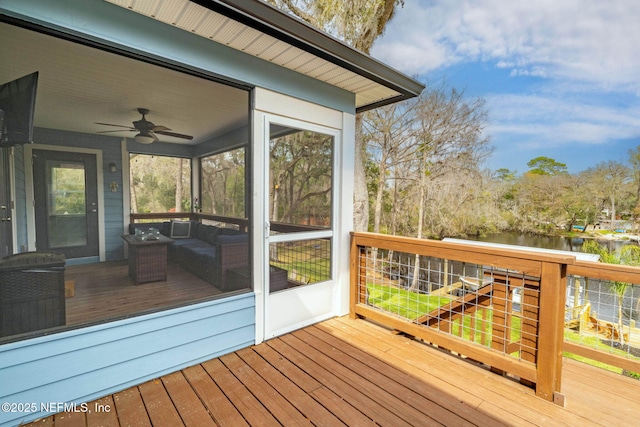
352,372
105,291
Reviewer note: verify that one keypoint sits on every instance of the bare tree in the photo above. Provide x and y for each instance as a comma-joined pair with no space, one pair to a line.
614,180
449,143
389,137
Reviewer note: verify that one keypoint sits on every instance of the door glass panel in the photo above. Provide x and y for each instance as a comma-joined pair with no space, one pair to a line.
66,208
301,176
300,200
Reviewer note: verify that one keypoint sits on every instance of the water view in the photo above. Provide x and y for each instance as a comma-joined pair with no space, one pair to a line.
571,244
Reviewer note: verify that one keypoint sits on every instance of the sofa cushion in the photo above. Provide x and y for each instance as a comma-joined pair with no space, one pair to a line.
195,227
208,250
180,229
186,242
229,232
233,239
203,231
211,234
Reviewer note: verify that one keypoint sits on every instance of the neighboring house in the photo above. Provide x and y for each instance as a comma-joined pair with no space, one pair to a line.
233,75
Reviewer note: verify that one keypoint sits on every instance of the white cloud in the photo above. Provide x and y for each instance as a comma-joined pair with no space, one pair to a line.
546,121
589,40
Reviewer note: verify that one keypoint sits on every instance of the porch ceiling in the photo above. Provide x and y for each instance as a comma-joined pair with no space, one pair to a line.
79,86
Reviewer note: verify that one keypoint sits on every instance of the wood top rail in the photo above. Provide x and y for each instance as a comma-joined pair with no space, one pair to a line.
385,240
528,262
600,270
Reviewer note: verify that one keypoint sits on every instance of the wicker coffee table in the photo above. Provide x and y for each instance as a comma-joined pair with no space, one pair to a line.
147,258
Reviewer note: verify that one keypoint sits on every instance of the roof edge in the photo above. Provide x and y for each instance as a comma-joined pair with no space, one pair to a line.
272,21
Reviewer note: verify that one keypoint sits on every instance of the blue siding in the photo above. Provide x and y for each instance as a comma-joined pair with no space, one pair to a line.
84,364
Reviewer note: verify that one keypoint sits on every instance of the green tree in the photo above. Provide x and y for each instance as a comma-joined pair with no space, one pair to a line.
546,166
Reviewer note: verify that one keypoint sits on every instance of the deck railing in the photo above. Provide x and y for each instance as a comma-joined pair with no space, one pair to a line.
598,296
503,308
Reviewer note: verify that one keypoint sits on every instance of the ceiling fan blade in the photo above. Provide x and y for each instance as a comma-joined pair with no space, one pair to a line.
120,126
175,135
118,130
156,128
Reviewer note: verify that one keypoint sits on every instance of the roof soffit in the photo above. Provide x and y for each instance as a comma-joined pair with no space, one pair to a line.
255,28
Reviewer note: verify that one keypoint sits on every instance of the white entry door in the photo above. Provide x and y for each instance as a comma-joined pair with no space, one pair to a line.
300,222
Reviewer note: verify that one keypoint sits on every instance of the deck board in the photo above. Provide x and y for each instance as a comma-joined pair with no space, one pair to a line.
353,372
251,409
457,376
290,391
102,412
130,408
356,397
309,385
191,409
219,406
282,409
410,387
368,375
160,407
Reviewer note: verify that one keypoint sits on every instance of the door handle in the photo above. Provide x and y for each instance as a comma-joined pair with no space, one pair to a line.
5,219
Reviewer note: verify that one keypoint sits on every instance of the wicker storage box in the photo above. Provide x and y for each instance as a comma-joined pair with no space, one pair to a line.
31,292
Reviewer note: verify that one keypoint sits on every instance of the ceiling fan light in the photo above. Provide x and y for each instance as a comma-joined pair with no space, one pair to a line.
143,139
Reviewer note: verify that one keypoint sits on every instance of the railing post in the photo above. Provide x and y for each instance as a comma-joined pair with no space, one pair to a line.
551,330
357,276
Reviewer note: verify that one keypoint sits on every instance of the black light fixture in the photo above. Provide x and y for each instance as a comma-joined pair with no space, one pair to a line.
113,168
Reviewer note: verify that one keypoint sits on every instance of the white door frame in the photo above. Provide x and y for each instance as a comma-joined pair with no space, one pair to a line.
271,106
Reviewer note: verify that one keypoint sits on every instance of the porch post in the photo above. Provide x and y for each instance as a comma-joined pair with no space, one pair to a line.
551,330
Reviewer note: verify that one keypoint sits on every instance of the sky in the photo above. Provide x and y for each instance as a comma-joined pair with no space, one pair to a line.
561,78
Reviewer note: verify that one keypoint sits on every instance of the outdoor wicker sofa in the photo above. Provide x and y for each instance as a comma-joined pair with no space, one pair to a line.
205,250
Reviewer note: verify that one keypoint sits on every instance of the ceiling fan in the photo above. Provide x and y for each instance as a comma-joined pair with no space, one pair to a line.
146,130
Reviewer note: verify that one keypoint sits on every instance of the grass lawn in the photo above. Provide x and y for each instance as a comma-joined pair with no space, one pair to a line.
401,302
412,305
597,344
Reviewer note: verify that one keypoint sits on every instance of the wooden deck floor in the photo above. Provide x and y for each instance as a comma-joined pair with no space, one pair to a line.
352,372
